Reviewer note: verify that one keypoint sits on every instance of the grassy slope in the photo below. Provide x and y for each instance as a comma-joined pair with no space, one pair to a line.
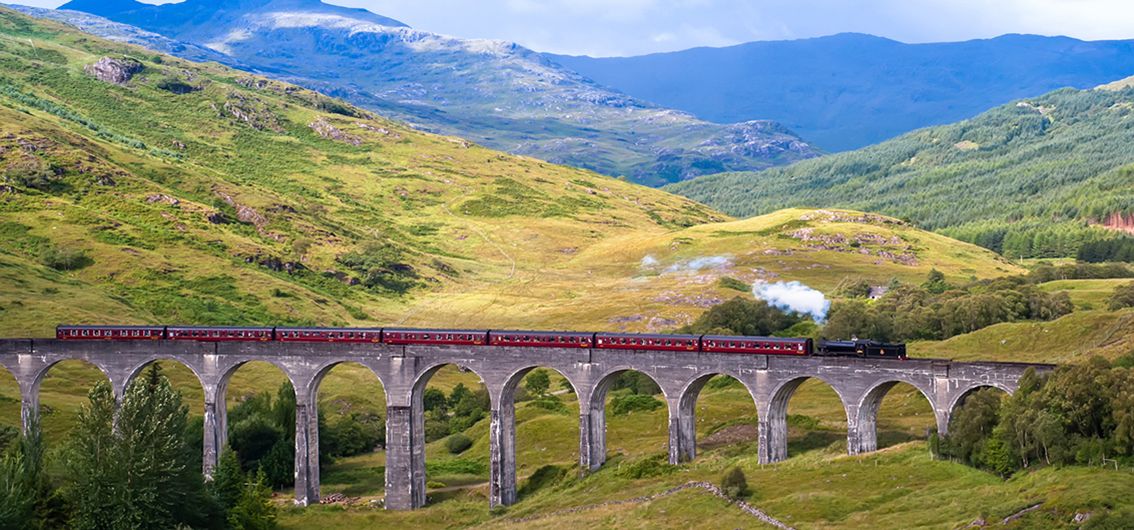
1059,158
534,267
495,239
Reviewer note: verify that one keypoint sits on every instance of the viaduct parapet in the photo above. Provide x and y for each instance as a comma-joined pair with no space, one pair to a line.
404,372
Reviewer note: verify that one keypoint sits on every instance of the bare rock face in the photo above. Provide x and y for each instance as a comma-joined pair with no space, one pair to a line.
330,132
117,71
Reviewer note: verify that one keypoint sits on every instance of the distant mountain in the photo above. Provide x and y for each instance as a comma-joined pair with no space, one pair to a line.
1040,177
851,90
118,32
494,93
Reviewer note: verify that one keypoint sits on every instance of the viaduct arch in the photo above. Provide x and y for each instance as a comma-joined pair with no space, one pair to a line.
403,371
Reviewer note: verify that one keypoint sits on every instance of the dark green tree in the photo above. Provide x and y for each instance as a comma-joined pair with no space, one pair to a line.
742,316
28,500
537,382
733,483
228,480
434,400
254,510
935,282
972,425
131,468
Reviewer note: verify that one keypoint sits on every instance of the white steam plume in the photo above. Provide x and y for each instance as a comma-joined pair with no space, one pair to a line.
697,264
793,296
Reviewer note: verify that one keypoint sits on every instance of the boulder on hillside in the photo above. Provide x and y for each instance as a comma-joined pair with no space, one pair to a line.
117,71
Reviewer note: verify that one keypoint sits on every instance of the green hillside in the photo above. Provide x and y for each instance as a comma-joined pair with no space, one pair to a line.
193,193
1028,179
223,198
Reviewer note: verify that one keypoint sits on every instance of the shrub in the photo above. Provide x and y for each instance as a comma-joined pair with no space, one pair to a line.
436,428
31,172
637,383
654,466
1123,297
382,268
353,434
549,403
743,316
458,443
626,404
723,381
734,484
728,282
853,288
65,259
542,478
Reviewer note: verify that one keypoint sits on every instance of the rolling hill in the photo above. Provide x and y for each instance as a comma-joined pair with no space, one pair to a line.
143,188
222,197
851,90
1029,179
494,93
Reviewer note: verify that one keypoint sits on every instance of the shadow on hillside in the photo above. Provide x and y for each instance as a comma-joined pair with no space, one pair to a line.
799,442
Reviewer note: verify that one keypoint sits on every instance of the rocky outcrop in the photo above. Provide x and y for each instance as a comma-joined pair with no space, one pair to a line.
251,111
116,71
1123,222
324,128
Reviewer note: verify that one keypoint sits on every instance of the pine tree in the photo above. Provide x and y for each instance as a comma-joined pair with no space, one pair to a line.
254,510
228,480
91,463
132,469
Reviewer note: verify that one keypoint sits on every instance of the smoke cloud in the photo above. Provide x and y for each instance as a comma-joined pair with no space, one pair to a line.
793,296
697,264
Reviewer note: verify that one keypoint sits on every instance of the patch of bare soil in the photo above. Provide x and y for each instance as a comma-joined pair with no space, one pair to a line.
730,435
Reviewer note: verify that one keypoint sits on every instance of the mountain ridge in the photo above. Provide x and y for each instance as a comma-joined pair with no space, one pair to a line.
850,90
495,93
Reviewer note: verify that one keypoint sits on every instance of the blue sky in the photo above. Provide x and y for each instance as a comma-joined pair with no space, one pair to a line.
634,27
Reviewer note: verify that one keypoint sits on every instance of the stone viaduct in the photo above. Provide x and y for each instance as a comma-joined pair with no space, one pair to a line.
404,372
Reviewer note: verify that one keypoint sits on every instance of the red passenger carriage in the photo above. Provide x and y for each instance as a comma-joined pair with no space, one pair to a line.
635,341
460,337
110,332
544,339
356,335
756,345
219,333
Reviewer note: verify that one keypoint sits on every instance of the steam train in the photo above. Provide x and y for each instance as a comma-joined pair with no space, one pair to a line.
531,339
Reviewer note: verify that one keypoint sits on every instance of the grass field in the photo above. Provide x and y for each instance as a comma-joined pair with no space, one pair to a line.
225,205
